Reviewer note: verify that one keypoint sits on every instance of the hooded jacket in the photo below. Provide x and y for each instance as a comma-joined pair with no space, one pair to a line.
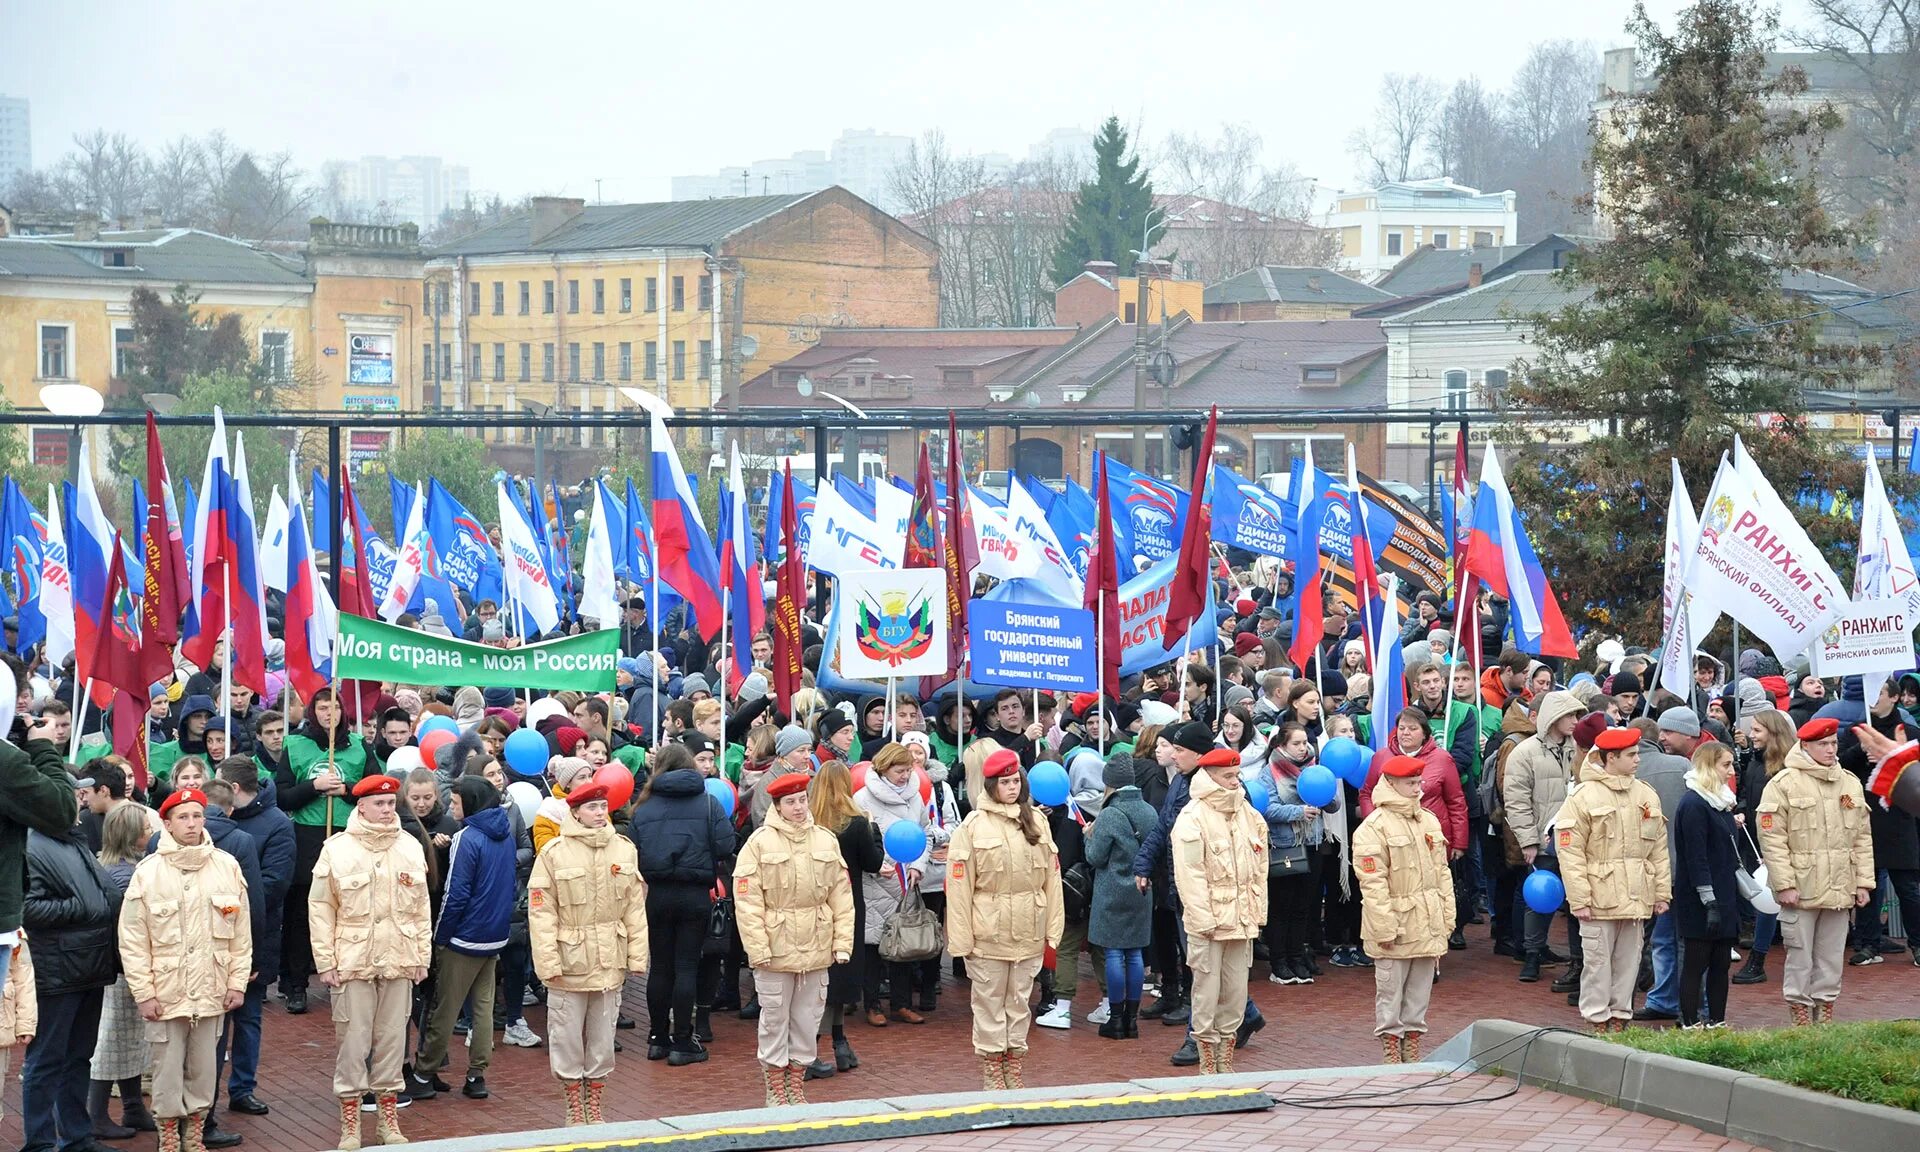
680,831
1612,839
1539,771
1814,833
1220,862
1122,915
1406,889
272,835
185,931
368,911
587,910
792,899
1003,893
476,913
1440,790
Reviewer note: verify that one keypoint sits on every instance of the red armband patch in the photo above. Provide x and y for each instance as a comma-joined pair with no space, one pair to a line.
1766,821
957,869
1566,837
536,897
740,885
1369,864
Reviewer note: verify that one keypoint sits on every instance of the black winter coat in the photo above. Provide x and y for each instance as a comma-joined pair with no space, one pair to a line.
72,915
860,847
272,833
35,794
1704,857
680,831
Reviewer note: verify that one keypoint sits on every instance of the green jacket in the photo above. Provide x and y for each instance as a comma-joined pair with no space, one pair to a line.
90,748
161,759
307,759
38,794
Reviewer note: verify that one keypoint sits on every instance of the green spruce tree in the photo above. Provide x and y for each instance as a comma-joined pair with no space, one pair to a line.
1680,330
1108,211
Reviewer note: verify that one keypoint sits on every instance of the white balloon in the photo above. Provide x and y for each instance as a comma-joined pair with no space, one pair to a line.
541,709
404,760
526,798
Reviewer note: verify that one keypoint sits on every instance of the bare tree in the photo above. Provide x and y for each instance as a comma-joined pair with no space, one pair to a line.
1467,136
1402,122
179,181
1547,115
1020,224
936,190
106,175
1261,210
1879,43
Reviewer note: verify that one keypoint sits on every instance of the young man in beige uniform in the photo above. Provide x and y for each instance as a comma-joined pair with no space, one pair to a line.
1219,848
372,940
187,946
1406,905
1818,845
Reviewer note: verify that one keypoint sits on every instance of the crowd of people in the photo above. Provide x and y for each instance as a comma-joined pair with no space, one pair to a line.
756,863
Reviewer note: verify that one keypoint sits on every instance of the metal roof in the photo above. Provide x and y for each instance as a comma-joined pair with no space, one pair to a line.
1427,268
606,227
170,256
1281,283
1514,297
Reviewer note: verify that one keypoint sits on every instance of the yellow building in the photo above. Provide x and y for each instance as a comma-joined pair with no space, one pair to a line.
567,304
1099,293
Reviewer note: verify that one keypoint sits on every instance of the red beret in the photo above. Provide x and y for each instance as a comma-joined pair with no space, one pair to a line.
792,784
1402,766
1590,726
376,786
1004,762
1245,643
183,796
1245,606
1616,740
1220,758
1819,728
586,794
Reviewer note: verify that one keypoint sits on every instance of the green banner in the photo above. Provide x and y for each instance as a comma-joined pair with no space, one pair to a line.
372,650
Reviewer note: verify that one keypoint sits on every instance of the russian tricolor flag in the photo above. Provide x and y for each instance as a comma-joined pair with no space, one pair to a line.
740,573
1389,670
309,611
248,653
91,541
1500,555
682,547
207,559
1309,616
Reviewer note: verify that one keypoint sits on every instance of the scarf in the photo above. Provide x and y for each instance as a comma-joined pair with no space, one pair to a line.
1722,801
187,857
376,837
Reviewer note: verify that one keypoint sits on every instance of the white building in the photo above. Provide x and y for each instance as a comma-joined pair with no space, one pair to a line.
16,139
419,189
1377,227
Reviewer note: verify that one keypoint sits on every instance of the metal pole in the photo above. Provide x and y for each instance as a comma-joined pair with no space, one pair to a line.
821,479
439,361
1433,460
1139,460
334,561
1896,439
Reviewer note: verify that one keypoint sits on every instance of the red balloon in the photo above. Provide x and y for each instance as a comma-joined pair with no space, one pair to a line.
926,785
859,772
433,741
618,782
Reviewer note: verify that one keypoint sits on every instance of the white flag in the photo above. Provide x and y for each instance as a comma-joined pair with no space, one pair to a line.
1002,555
1884,570
1029,525
1755,563
840,538
598,601
526,581
56,585
273,543
1683,531
410,559
325,624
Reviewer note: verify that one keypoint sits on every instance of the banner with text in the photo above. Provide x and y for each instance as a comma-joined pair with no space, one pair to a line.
373,650
1143,615
1874,636
1032,646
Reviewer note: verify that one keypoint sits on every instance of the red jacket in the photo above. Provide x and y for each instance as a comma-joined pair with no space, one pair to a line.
1440,791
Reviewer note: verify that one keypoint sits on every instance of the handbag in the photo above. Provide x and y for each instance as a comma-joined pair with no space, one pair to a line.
1288,861
911,932
1753,885
1076,890
719,938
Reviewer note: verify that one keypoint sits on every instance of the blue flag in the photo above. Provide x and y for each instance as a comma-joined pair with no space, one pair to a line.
458,549
1247,516
1148,517
25,536
319,500
770,546
1070,513
401,496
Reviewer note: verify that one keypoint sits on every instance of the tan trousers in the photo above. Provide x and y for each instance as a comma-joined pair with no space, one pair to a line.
1610,965
185,1072
791,1004
1816,941
370,1030
1219,986
1401,990
1001,1014
580,1033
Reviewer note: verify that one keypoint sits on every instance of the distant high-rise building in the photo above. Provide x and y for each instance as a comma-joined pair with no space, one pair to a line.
1065,146
382,189
16,139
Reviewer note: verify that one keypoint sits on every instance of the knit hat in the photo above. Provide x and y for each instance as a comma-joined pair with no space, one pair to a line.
568,770
1625,681
494,629
1332,683
568,739
792,739
694,683
497,697
1154,712
1245,606
831,721
1679,719
1118,772
1193,736
1589,727
1611,651
752,688
1245,643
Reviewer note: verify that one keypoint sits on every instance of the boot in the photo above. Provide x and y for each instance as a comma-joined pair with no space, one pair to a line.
1205,1049
1187,1055
844,1059
1569,981
1410,1048
992,1075
1604,1028
133,1106
576,1106
1223,1057
349,1126
1754,971
775,1076
1390,1049
591,1101
1802,1015
386,1128
170,1133
1013,1069
1822,1012
193,1132
796,1079
1130,1014
1530,971
703,1024
1114,1027
99,1093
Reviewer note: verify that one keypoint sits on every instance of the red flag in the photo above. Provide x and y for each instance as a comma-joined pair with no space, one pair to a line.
1103,583
790,598
356,583
924,548
116,651
129,718
962,554
164,577
1187,597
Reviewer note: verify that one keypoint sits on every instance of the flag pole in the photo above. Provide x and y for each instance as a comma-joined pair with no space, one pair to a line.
653,609
82,696
1100,662
726,610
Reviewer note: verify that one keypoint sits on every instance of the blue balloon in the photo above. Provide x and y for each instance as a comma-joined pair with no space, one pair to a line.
527,752
1048,783
437,724
719,790
1317,786
1346,759
1258,781
906,841
1544,892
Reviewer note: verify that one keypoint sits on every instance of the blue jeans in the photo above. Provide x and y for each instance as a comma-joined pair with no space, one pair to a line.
243,1030
1665,996
1764,924
1126,971
53,1079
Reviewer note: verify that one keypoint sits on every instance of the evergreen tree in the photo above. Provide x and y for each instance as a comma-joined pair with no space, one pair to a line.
1108,211
1680,331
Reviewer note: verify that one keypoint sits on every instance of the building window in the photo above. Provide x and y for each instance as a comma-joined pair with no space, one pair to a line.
123,348
499,298
1393,243
50,447
546,297
650,362
499,361
599,360
1127,315
473,298
471,369
426,298
679,359
705,301
1496,386
653,294
546,362
573,296
1483,239
526,297
56,360
1441,239
573,361
446,363
426,360
599,296
679,293
706,360
526,363
1458,397
440,297
626,360
626,293
1320,375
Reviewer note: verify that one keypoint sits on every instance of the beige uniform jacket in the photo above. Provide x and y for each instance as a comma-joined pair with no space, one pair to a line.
185,937
1406,889
792,898
1612,840
1815,833
19,1006
1003,893
587,909
1220,862
368,911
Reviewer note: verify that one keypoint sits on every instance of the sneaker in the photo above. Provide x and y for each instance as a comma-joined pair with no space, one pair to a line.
1060,1016
528,999
419,1087
1301,974
475,1088
463,1027
1889,948
1283,973
1361,959
1341,958
1102,1012
520,1036
1862,957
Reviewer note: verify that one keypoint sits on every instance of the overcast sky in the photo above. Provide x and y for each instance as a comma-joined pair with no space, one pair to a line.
548,97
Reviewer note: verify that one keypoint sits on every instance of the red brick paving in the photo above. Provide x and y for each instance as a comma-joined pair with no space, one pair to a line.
1324,1025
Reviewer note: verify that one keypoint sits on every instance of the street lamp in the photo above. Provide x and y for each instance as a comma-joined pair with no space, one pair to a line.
1140,367
75,401
821,466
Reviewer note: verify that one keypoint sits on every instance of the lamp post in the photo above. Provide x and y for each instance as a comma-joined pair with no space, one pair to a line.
72,400
1140,258
808,389
539,411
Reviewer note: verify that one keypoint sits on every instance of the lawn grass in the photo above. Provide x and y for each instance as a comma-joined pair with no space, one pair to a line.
1875,1061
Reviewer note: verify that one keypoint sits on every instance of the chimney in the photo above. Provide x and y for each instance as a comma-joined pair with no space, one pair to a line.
1313,283
87,230
1105,269
1473,275
550,213
153,219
